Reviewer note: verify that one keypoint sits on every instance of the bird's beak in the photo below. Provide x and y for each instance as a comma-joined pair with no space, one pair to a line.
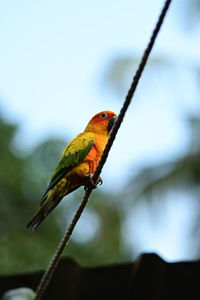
111,123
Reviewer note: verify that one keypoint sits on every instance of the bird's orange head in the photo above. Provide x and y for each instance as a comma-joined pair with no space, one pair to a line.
102,122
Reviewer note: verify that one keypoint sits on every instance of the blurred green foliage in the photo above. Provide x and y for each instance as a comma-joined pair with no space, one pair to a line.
153,184
23,179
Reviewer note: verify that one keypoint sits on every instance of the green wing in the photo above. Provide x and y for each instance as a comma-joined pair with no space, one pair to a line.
74,154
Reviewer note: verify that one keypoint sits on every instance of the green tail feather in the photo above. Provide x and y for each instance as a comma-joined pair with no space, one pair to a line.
46,207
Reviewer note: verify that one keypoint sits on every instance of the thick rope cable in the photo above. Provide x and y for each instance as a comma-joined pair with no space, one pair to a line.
56,258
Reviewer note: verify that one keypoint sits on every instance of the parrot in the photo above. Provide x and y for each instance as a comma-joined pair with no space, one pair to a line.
77,164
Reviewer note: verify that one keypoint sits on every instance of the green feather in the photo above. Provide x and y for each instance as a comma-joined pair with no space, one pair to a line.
67,162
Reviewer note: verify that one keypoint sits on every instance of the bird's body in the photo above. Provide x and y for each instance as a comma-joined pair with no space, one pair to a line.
78,161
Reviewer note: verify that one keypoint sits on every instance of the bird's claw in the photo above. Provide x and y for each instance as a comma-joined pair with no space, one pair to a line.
89,183
99,181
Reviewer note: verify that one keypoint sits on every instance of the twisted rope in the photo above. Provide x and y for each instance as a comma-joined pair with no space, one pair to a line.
55,260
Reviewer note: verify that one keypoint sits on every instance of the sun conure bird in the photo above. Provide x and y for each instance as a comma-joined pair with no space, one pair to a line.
77,164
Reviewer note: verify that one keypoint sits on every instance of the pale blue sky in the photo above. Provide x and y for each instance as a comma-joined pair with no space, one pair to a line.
53,56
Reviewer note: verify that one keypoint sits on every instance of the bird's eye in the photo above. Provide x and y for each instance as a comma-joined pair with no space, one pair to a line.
104,115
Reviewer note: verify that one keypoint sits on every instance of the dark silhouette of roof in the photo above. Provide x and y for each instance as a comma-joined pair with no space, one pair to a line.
149,277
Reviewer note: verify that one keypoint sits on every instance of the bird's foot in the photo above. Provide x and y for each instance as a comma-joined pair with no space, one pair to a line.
99,181
90,184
